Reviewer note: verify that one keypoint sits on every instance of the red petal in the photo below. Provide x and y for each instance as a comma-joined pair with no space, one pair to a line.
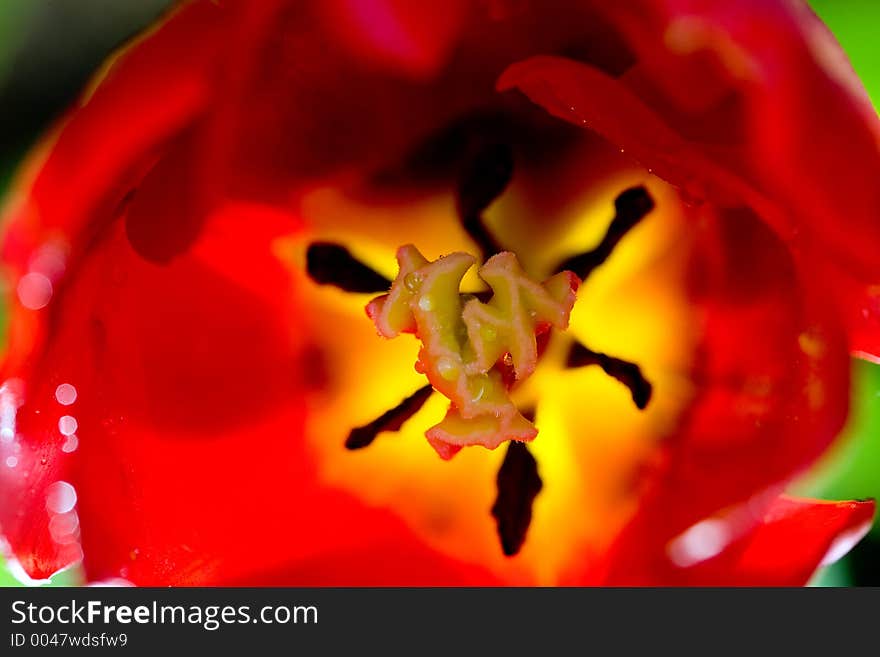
193,376
80,180
589,98
191,381
415,39
772,381
792,539
352,544
76,180
733,102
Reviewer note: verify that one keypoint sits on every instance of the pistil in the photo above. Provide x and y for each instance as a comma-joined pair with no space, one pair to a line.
469,345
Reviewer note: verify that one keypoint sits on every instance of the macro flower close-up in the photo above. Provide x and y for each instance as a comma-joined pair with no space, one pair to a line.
471,293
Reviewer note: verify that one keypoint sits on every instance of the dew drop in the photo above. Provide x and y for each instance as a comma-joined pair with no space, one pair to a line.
447,368
412,281
702,541
70,444
64,527
426,303
481,385
60,497
67,425
11,461
65,394
34,290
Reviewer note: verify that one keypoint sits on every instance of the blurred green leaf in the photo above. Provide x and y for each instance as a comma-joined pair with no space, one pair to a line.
855,24
851,469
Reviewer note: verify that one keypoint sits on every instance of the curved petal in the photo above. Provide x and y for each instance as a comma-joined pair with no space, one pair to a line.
69,181
191,381
414,39
740,98
792,538
69,187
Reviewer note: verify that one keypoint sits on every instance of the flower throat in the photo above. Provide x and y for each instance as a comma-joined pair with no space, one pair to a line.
478,346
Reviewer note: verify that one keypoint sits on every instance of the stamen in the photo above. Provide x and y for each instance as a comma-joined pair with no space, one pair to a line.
482,180
518,484
390,420
631,206
629,374
328,263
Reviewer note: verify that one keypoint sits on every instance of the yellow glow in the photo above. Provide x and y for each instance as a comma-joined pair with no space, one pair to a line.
592,440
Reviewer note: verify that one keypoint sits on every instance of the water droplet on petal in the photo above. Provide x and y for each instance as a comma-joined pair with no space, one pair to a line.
64,527
702,541
70,444
65,394
34,290
412,281
60,497
67,425
479,387
447,368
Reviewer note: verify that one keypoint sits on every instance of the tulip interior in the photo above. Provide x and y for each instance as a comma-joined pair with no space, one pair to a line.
201,285
589,392
475,352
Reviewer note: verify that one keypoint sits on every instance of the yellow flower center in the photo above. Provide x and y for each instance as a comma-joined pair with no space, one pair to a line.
593,441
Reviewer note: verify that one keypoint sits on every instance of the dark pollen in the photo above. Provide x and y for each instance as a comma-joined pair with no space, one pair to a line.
328,263
630,206
391,420
629,374
518,485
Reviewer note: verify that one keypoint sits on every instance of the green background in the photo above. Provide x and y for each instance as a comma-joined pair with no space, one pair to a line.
48,49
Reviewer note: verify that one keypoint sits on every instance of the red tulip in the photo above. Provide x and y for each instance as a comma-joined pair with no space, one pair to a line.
191,251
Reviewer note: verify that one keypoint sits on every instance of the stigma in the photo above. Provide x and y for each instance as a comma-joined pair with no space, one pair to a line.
473,351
